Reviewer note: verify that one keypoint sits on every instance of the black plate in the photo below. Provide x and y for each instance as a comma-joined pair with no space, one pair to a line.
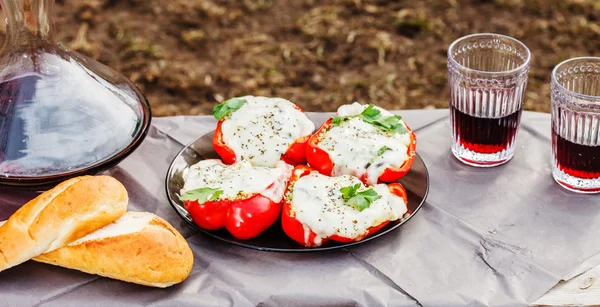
416,183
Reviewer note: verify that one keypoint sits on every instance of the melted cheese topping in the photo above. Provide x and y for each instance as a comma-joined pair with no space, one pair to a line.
319,206
238,180
354,144
264,128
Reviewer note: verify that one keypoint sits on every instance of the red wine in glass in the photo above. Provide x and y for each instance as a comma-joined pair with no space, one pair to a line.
487,78
574,159
485,135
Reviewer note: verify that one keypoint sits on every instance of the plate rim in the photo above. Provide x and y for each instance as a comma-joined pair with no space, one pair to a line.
300,248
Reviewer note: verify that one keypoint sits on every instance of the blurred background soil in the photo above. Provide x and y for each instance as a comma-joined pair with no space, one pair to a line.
187,55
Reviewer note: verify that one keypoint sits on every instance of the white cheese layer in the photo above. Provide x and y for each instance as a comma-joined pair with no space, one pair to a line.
239,179
264,128
319,206
353,146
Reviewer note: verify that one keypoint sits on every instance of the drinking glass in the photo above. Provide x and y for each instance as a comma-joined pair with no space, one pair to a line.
487,75
576,124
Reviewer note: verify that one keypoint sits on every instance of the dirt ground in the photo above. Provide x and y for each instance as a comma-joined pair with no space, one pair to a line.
187,55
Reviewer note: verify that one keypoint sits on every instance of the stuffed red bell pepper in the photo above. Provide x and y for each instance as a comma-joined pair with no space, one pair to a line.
318,208
244,199
364,141
262,130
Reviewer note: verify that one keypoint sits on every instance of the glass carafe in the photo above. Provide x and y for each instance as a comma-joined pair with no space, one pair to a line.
61,113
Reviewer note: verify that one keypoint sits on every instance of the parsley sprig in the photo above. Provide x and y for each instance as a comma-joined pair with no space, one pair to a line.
202,195
359,200
226,107
371,115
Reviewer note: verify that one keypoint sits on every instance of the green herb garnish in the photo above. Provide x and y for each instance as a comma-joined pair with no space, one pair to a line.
290,192
349,191
392,123
202,195
370,112
382,150
337,120
359,200
226,107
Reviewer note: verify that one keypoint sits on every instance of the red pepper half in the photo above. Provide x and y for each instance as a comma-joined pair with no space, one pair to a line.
244,218
226,153
320,160
304,236
294,155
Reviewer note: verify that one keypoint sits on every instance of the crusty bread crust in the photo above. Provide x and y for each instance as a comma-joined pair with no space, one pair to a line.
69,211
156,256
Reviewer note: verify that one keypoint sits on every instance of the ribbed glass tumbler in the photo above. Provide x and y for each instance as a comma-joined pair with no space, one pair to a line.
487,75
576,124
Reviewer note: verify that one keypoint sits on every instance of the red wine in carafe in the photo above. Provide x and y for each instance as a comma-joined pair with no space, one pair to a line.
62,120
15,95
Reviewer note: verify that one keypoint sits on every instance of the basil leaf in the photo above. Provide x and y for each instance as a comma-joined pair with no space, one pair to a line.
370,112
349,191
216,195
359,200
226,107
391,124
371,115
337,120
362,200
382,150
202,195
401,129
235,103
370,194
221,111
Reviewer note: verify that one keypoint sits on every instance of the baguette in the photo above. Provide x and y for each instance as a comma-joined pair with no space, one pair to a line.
69,211
139,247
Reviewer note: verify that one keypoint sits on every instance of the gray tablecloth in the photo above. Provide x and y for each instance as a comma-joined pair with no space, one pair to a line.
499,237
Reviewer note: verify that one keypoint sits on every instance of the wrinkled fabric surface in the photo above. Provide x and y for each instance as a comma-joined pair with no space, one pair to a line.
500,236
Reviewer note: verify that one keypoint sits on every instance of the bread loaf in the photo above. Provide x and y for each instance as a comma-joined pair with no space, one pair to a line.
139,247
67,212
